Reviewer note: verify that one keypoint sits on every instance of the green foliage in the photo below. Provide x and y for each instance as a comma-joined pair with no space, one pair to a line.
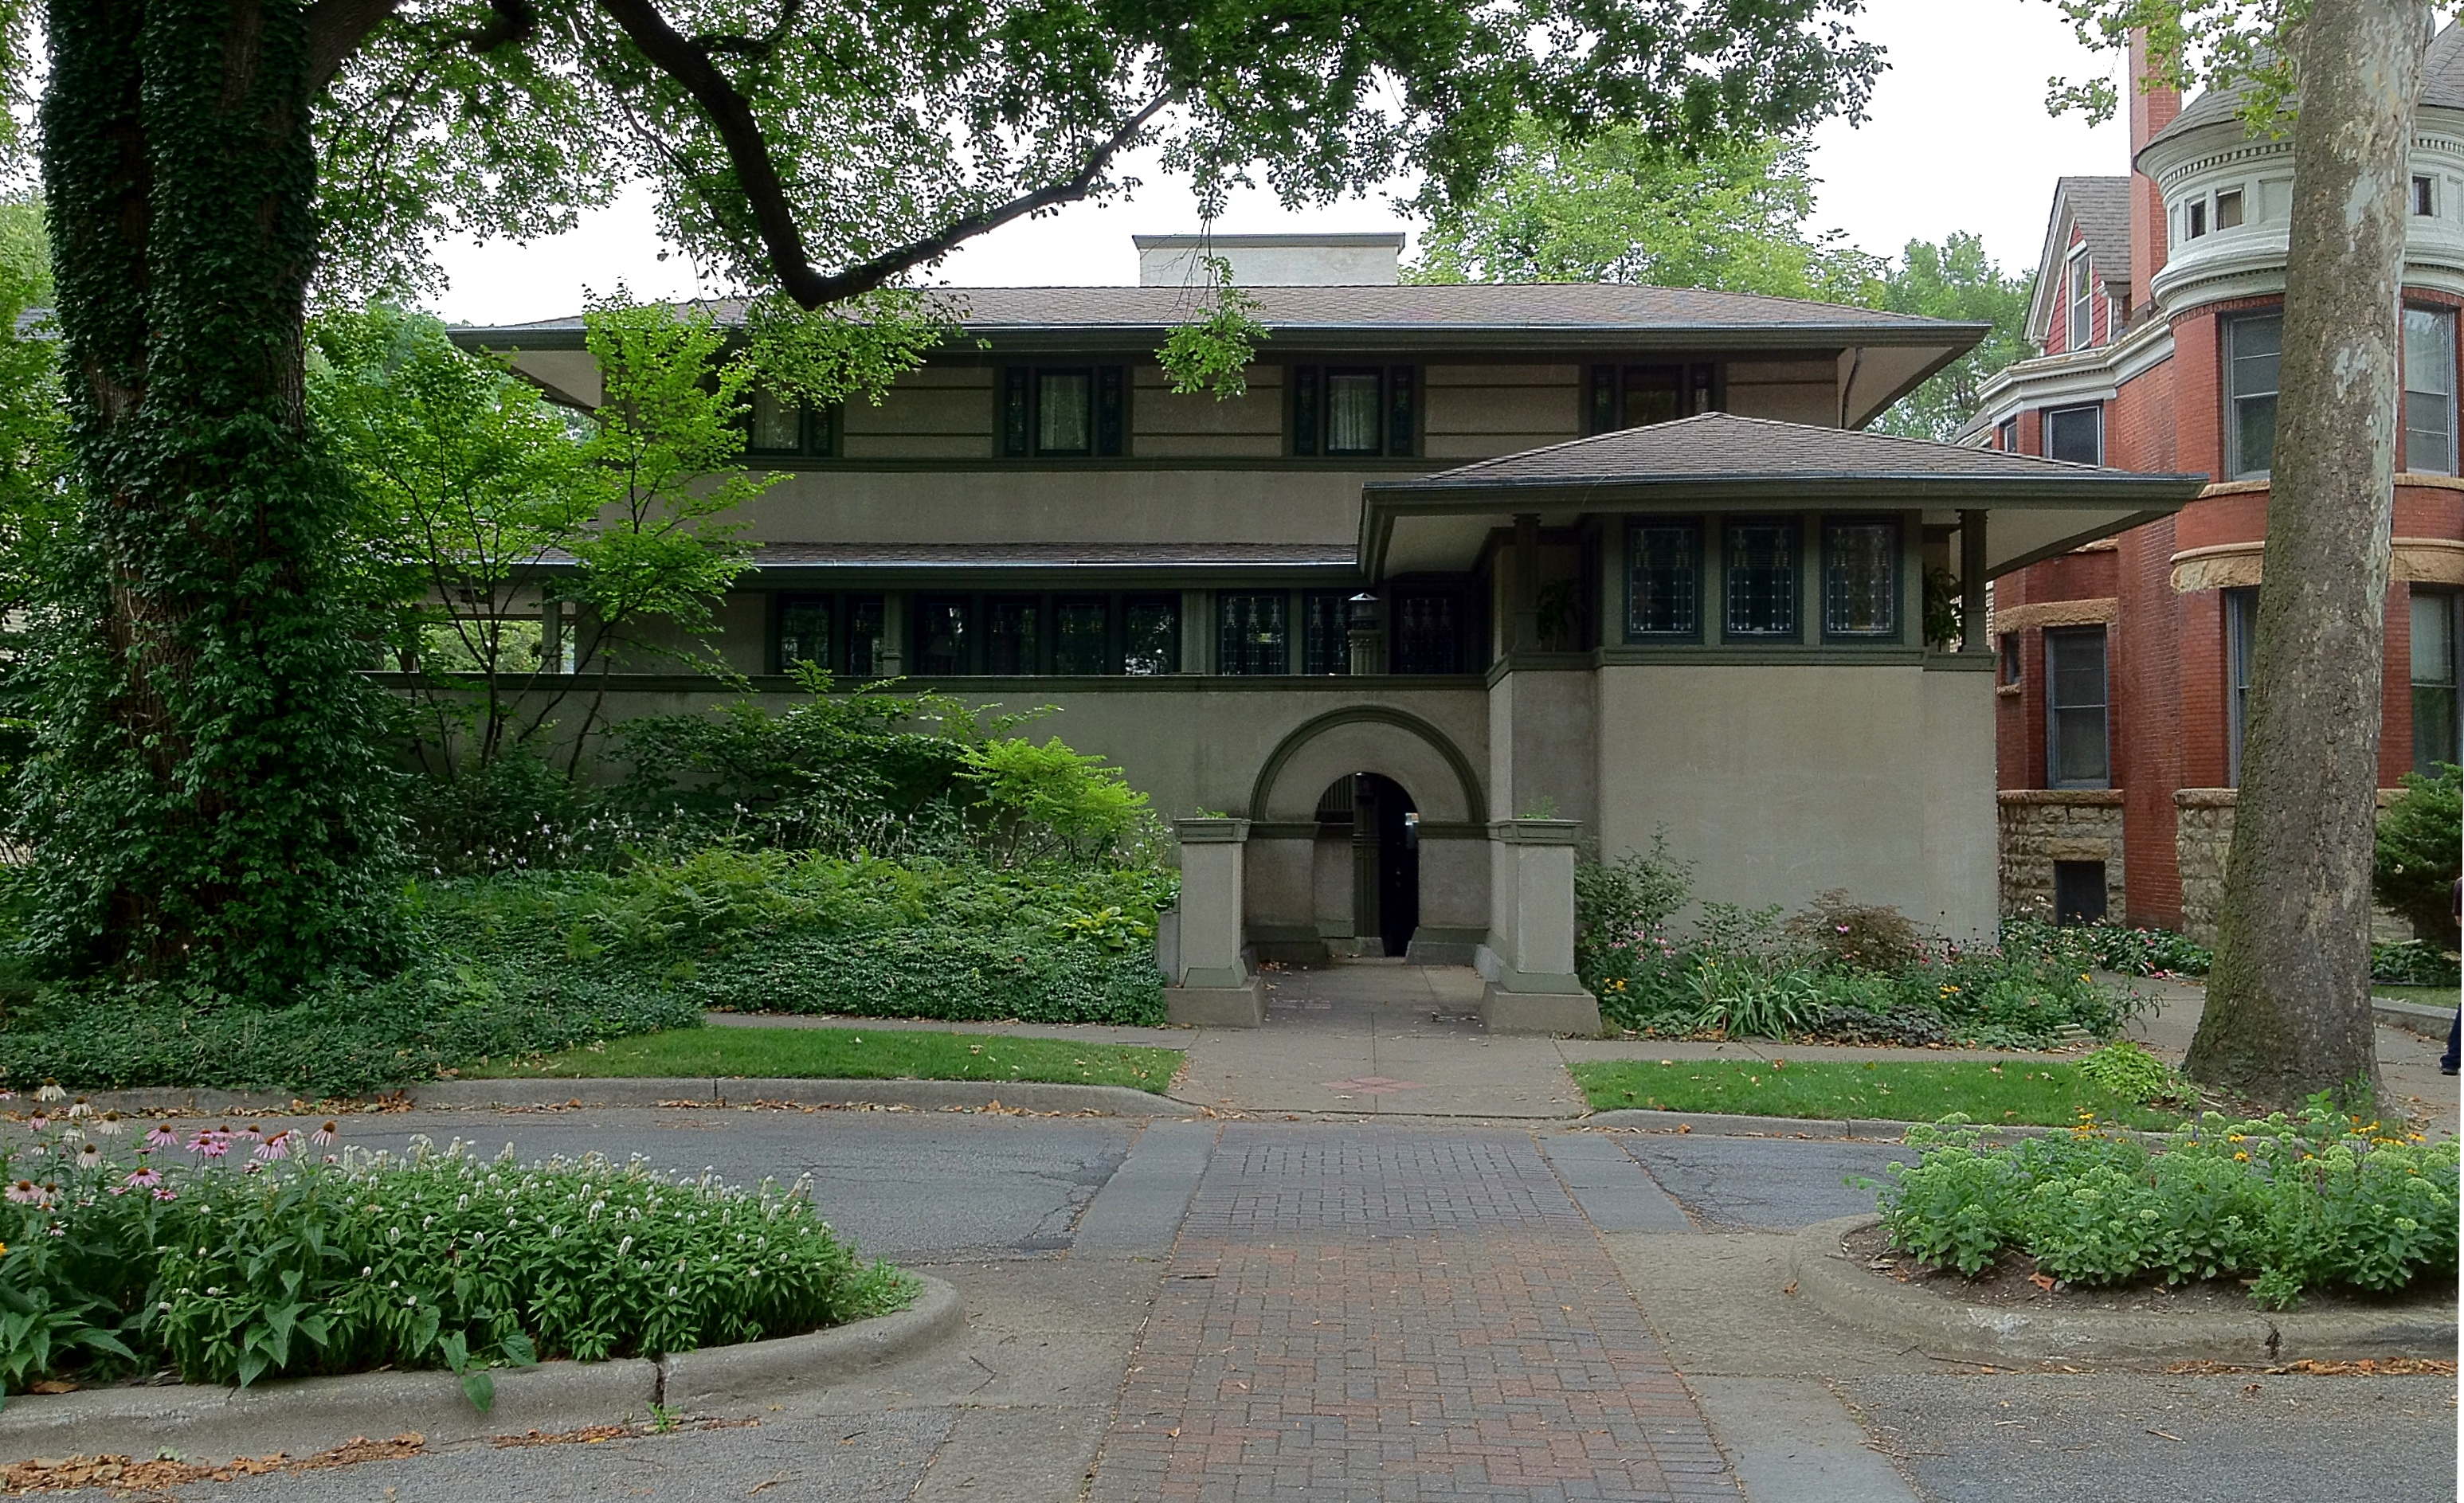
1957,281
1841,971
184,1261
2420,838
1048,802
1624,206
1849,935
861,1052
2125,1068
2105,947
2411,964
2017,1092
205,800
1213,352
2316,1201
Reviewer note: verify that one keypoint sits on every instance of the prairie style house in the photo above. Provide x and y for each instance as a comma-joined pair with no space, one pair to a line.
1462,555
2124,664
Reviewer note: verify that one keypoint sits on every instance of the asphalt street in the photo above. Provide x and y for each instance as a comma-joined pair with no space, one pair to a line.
1101,1261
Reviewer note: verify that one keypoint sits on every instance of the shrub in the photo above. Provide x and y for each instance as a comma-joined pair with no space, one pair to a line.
278,1266
2318,1200
2411,964
1856,936
2125,1068
1626,903
2106,946
2417,861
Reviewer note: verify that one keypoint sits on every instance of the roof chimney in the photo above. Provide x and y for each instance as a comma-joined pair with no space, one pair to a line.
2151,110
1274,260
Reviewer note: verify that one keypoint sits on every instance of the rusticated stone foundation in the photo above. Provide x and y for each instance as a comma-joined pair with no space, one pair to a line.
2203,834
2040,826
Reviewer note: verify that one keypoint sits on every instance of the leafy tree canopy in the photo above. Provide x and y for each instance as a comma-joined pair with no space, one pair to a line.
1622,206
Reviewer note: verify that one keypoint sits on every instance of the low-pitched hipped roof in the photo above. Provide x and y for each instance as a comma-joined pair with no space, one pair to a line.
1719,461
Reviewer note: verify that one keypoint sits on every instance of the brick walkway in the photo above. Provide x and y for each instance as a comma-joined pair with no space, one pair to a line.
1377,1314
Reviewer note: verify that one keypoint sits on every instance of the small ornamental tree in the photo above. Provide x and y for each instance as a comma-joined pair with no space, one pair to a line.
2420,852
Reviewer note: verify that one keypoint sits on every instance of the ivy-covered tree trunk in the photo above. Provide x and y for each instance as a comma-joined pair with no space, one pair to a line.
204,801
2288,1010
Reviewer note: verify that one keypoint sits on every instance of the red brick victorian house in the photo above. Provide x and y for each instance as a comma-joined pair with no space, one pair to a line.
2123,664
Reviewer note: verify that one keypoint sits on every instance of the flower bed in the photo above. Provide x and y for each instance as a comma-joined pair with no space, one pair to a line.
228,1256
2291,1202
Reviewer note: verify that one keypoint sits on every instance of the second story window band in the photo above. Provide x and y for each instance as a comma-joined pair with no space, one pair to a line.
1347,411
1063,411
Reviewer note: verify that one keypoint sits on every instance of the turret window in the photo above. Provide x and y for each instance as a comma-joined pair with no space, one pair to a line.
2229,210
2425,197
2254,347
2430,391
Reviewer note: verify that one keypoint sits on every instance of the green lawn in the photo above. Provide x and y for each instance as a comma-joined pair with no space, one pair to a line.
852,1054
2428,996
2019,1093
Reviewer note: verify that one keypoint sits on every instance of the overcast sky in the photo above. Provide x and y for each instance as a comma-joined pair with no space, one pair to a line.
1957,139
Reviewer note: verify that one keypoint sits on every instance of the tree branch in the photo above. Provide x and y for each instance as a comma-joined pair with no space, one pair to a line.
689,63
335,29
756,47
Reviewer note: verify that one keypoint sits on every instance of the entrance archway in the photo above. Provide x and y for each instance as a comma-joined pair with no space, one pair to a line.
1372,819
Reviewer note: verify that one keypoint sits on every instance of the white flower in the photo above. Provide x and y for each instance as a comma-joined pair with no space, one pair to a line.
78,1108
50,1092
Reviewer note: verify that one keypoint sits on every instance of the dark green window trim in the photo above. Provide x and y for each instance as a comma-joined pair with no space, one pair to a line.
1688,532
1108,418
1739,594
817,432
847,638
1620,396
1308,420
1895,550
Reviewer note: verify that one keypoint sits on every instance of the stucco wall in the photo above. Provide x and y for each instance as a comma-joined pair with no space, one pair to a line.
1541,750
1029,503
1781,781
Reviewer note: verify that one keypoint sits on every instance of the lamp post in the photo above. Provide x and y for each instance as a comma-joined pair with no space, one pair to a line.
1362,617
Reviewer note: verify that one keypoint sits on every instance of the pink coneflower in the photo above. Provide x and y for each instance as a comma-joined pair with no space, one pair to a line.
277,1146
146,1177
160,1136
212,1143
251,1133
90,1155
25,1194
40,1121
253,1169
324,1135
165,1192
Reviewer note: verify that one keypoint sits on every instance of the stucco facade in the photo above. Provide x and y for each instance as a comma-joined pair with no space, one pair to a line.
1322,611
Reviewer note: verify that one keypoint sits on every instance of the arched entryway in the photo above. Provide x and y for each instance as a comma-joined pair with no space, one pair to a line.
1368,825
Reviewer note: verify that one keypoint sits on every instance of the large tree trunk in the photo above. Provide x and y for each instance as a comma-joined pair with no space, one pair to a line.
2288,1010
201,799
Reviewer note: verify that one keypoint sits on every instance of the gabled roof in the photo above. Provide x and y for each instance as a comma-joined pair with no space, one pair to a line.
2100,206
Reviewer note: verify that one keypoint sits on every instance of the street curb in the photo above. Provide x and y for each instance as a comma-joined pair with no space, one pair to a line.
302,1416
1942,1326
1034,1095
2414,1017
718,1379
1722,1125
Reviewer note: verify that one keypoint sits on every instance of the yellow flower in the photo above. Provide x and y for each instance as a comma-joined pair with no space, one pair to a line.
2241,1158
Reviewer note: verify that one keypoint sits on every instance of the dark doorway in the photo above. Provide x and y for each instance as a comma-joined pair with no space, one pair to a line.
2079,892
1385,857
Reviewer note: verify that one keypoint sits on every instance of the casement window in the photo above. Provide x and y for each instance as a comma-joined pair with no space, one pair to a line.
775,425
1341,411
2081,328
1253,633
2007,435
2241,636
2435,725
2430,391
2075,434
1026,636
2424,197
1761,564
1425,631
1326,632
2229,210
944,635
1861,578
1063,411
2078,754
1663,573
841,633
1636,396
2254,346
